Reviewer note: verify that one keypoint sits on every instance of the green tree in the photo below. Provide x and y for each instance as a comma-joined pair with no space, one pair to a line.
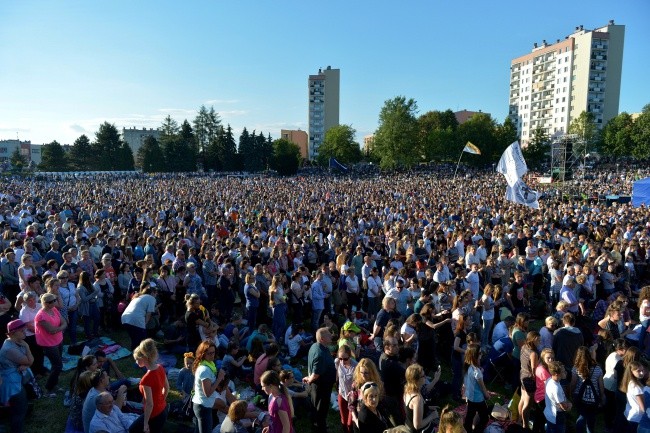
150,156
616,137
206,127
536,153
188,151
584,126
111,153
246,149
169,127
505,134
339,143
81,156
641,134
479,129
53,158
230,158
17,160
286,157
437,135
396,137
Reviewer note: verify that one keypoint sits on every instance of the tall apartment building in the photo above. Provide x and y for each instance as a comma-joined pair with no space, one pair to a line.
555,83
324,89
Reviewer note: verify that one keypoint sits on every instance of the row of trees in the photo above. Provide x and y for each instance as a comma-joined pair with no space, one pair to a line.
209,145
205,143
108,152
404,139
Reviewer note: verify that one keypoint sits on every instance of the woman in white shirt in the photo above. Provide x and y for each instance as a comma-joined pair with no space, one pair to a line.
488,314
352,288
632,384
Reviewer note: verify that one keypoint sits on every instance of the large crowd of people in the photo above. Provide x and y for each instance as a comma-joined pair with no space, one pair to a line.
371,287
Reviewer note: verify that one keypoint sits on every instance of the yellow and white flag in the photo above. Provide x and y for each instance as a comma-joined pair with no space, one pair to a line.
471,148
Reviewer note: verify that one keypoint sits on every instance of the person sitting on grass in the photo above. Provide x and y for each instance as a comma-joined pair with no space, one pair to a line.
233,363
108,417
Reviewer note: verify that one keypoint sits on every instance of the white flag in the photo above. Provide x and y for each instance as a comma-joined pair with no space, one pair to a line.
522,194
512,164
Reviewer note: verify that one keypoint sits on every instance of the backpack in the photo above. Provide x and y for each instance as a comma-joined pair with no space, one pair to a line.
588,398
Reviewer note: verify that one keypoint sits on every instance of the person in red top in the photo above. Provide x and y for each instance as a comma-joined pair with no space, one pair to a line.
154,388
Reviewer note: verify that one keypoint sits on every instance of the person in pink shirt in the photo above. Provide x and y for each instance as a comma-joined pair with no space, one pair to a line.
280,404
541,376
48,328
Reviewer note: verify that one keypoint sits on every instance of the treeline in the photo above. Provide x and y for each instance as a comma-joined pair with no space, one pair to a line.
404,138
203,144
108,152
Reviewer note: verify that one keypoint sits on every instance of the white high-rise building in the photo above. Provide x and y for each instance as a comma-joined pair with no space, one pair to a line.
324,89
555,83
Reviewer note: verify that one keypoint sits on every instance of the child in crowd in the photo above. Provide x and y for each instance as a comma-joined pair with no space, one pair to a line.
185,380
556,403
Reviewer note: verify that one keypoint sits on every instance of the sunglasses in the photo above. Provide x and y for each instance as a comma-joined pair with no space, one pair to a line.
368,385
345,359
51,302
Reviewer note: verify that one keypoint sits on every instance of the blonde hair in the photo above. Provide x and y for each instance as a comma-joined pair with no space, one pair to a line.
414,373
146,350
450,421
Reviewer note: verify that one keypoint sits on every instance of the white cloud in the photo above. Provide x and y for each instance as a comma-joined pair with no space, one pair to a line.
78,128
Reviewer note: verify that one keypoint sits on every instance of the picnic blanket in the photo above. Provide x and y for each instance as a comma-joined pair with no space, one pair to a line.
113,351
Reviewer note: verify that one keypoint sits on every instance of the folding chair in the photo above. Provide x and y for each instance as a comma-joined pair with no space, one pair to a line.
498,367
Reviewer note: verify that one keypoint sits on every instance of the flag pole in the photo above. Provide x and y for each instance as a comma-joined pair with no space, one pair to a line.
461,155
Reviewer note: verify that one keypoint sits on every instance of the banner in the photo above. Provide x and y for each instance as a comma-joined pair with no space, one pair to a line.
512,164
522,194
471,148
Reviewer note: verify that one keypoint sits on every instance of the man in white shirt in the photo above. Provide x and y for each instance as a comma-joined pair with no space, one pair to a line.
108,417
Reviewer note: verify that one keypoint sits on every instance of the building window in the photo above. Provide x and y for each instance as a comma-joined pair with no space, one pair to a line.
3,150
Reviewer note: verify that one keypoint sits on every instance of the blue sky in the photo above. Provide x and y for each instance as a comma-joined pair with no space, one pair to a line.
67,66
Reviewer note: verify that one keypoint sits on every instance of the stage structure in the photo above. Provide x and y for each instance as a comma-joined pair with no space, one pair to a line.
568,152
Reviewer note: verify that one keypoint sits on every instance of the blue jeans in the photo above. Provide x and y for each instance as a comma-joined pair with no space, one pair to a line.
586,422
560,423
72,326
485,334
203,418
279,325
251,317
315,319
93,315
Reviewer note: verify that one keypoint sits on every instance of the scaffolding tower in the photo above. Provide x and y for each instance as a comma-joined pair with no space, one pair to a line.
567,154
